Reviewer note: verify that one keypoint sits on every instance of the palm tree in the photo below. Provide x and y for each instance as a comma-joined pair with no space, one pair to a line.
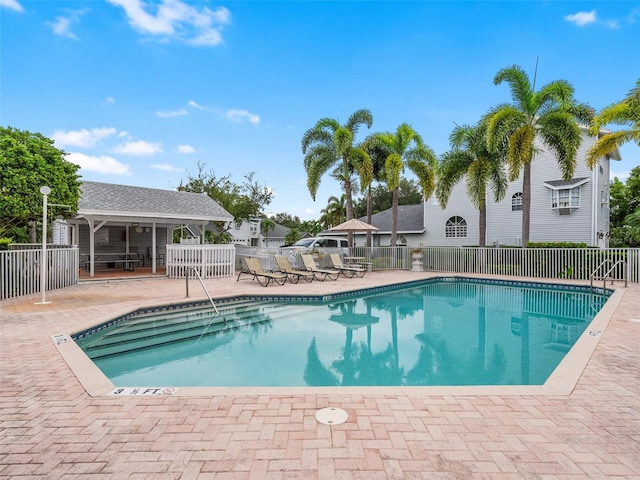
328,145
550,114
377,152
471,157
625,112
337,207
405,148
265,225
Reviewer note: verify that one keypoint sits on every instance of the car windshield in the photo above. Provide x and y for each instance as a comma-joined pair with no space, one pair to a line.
305,242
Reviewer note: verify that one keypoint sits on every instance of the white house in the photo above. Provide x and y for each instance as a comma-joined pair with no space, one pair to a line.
251,234
561,211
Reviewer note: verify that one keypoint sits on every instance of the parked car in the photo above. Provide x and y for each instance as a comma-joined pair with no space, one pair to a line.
307,245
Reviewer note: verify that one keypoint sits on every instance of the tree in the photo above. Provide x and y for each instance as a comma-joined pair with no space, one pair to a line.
330,145
405,149
377,152
335,212
292,236
29,161
624,201
381,198
245,201
266,225
625,112
471,157
550,114
286,220
312,227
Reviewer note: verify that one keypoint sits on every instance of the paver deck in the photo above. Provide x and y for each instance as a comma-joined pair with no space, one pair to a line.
52,428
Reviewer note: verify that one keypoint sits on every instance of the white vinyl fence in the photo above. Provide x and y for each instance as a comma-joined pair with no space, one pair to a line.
20,270
570,263
211,261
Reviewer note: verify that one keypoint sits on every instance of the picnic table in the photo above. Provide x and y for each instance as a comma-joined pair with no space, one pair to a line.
111,259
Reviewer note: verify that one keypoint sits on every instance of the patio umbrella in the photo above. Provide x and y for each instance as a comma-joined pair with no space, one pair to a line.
353,225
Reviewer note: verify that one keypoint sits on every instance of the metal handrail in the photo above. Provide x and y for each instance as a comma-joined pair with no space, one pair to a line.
606,274
215,309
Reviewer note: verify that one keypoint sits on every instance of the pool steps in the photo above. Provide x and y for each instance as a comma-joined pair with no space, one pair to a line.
152,329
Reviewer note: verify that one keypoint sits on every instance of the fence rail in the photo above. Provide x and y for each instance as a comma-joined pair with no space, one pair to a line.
20,270
211,261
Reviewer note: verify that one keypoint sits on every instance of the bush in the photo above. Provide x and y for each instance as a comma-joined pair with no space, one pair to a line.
556,245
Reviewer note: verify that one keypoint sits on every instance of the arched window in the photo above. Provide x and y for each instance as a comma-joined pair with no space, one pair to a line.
456,227
516,202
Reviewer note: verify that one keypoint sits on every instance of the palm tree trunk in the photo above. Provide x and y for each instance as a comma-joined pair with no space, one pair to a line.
483,224
347,191
394,218
526,203
369,215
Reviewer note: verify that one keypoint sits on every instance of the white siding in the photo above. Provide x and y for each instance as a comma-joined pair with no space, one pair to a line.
436,219
547,225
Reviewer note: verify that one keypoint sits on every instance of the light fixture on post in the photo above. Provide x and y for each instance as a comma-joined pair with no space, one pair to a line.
45,191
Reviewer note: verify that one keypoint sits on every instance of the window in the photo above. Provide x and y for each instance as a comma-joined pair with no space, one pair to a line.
516,202
565,195
565,198
456,227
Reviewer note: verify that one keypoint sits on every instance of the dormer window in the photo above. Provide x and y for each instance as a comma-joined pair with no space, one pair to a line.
565,196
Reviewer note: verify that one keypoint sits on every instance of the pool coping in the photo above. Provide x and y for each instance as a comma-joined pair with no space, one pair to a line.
561,382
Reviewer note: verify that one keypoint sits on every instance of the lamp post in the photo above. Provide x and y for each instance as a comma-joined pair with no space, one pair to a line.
44,190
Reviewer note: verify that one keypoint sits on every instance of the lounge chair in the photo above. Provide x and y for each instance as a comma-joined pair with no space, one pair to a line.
347,271
253,267
284,266
320,273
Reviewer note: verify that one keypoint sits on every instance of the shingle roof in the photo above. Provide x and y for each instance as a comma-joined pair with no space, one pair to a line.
556,184
111,199
410,219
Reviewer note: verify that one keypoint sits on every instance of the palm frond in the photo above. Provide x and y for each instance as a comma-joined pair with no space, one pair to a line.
357,118
518,80
393,168
520,150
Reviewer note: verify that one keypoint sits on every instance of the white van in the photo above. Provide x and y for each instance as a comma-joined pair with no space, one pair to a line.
308,244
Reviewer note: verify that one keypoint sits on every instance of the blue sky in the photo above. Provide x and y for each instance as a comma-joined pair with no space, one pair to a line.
138,92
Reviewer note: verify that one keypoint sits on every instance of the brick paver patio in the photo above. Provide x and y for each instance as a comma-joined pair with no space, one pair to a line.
51,428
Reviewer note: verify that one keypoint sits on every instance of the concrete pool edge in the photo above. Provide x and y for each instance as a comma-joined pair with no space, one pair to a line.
562,381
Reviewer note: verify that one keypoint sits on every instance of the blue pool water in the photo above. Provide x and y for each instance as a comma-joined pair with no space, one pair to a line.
444,332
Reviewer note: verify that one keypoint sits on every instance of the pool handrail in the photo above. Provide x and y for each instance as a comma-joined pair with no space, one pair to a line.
195,270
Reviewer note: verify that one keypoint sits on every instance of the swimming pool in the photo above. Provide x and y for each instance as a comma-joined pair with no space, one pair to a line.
444,331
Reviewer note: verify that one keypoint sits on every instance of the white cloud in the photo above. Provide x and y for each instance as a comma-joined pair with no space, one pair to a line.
186,149
12,4
62,25
82,138
139,148
110,100
178,20
101,164
165,167
582,18
194,104
173,113
241,115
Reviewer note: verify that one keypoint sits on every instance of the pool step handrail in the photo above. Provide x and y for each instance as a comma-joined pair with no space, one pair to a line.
605,276
195,270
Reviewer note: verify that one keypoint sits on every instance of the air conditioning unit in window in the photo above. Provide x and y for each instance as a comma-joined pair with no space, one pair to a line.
564,211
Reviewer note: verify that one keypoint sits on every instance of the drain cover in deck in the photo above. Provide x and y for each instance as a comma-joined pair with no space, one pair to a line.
331,416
